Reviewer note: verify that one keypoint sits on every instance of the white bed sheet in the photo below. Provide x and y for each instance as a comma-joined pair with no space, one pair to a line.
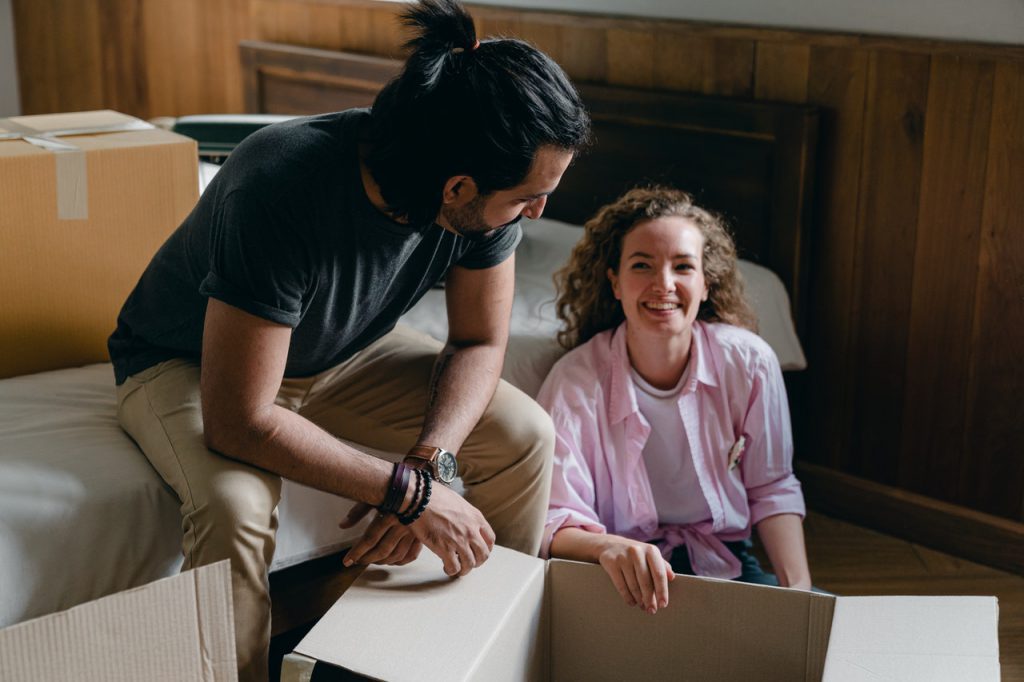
83,515
82,512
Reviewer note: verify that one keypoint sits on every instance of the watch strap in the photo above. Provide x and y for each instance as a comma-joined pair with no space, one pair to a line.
427,452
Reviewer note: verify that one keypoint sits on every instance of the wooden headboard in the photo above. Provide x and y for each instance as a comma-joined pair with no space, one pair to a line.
751,161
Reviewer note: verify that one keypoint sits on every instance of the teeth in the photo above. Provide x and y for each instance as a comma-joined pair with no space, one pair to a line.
662,306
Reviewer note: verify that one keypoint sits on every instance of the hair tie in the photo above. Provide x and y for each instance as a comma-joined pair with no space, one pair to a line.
460,50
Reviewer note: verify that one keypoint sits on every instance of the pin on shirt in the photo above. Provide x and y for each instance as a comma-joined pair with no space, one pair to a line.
736,452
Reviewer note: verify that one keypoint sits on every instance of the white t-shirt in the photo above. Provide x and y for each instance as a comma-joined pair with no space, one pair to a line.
674,484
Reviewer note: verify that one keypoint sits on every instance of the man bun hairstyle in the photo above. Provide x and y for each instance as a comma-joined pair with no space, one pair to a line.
465,107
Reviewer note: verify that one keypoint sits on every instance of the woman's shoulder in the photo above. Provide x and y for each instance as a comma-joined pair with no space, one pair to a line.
580,373
738,346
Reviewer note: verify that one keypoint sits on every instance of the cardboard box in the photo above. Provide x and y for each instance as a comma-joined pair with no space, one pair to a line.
87,198
521,618
174,629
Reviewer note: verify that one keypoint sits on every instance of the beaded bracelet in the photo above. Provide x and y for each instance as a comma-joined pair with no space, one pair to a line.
406,519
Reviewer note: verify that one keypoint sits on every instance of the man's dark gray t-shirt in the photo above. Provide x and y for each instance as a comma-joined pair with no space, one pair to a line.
286,232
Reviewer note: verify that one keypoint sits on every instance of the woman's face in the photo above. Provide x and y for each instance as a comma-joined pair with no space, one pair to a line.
660,281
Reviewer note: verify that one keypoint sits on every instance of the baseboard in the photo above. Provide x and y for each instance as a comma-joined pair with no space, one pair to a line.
949,528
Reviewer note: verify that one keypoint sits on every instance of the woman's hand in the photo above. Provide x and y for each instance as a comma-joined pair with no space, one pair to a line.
638,571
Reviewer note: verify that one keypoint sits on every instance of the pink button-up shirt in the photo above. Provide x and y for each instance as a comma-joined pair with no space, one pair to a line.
600,482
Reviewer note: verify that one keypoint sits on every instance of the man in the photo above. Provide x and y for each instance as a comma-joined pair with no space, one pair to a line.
264,329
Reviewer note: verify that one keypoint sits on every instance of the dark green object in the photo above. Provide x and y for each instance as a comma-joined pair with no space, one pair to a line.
219,134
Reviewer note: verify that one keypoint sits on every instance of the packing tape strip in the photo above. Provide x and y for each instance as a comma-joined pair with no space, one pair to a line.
72,171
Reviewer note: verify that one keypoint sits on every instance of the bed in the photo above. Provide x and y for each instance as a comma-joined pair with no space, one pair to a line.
69,477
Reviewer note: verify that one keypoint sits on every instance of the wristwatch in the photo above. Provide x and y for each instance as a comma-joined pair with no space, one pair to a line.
438,461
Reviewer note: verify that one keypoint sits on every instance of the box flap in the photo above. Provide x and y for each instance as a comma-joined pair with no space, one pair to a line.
72,123
914,638
396,620
178,628
712,630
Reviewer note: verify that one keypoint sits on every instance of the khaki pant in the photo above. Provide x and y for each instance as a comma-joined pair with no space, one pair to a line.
377,398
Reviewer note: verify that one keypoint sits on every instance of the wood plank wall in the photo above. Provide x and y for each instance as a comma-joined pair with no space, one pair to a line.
916,339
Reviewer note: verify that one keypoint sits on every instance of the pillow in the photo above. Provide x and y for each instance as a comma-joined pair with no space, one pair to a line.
532,348
546,247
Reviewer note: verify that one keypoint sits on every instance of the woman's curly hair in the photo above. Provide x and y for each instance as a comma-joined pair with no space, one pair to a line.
586,304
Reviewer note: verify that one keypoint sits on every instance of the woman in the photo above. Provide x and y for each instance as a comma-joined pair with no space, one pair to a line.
673,434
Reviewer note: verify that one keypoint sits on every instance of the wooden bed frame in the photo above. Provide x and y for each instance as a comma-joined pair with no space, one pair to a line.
753,162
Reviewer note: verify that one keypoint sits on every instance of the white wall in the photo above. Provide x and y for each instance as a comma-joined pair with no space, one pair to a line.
994,21
9,102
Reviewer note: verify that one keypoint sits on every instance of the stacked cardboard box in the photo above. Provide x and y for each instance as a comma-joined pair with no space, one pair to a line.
86,199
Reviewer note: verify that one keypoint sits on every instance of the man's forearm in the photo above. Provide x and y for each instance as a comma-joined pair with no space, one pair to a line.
293,447
461,387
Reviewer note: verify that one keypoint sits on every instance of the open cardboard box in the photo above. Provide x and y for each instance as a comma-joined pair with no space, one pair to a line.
521,618
171,630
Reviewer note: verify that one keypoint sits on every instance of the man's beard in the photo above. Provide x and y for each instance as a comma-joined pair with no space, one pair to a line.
469,220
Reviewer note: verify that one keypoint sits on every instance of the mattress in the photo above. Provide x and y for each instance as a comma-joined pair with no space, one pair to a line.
70,478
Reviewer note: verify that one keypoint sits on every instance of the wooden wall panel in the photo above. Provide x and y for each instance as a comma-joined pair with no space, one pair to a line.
781,72
945,275
225,24
80,35
173,58
584,54
144,57
920,225
890,178
125,86
498,24
837,82
631,58
36,49
682,61
992,470
731,71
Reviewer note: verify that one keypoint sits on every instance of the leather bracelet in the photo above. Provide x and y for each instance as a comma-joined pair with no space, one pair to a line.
396,489
406,519
415,493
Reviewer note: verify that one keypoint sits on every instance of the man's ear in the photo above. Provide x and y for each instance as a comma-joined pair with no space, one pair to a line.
459,190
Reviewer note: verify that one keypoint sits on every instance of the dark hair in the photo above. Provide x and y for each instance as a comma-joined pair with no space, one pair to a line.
460,107
586,304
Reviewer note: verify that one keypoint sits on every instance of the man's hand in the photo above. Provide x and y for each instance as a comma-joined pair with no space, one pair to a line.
450,527
638,571
454,530
386,541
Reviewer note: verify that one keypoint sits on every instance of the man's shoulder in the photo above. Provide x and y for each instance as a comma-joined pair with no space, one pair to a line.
295,150
310,131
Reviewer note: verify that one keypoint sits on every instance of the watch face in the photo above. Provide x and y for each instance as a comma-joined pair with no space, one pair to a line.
447,467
